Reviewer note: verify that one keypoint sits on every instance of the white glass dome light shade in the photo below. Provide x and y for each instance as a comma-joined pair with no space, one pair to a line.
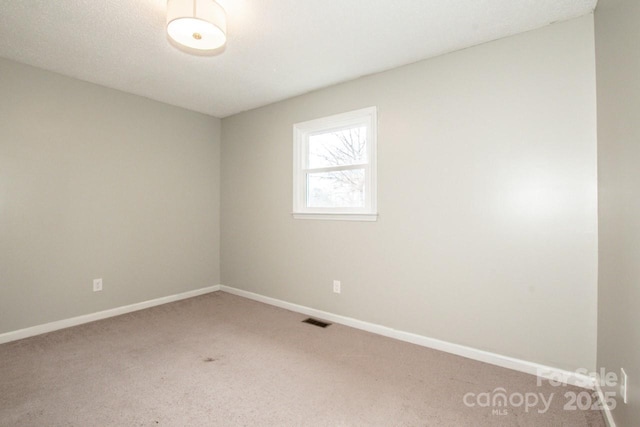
196,24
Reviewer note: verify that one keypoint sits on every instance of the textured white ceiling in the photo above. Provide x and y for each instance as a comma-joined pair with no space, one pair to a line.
276,48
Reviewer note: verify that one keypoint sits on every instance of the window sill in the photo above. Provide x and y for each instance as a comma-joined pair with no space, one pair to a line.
336,217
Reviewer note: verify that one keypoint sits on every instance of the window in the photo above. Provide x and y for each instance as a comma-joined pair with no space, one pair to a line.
334,171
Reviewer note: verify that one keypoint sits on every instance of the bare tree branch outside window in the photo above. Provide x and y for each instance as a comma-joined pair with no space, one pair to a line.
341,148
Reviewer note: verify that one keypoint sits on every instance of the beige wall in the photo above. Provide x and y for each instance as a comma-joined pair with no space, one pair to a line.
618,69
98,183
487,234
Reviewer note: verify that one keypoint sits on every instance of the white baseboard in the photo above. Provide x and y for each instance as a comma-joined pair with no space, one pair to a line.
556,374
608,416
74,321
561,375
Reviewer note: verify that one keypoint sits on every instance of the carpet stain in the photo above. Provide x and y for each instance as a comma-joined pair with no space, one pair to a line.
209,359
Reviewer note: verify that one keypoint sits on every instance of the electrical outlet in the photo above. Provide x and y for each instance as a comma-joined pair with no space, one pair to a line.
623,385
336,286
97,285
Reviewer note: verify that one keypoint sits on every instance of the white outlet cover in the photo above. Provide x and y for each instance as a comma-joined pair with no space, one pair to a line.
336,286
97,285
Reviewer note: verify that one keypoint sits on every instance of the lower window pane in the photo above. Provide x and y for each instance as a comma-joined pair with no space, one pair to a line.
339,189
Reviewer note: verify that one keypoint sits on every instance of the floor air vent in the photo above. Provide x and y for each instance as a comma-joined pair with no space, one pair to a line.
315,322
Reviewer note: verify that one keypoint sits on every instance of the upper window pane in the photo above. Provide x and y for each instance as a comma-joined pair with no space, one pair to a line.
338,148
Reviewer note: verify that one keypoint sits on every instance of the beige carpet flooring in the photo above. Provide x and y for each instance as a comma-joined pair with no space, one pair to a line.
222,360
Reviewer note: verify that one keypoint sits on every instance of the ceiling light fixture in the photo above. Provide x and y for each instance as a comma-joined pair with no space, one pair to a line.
197,26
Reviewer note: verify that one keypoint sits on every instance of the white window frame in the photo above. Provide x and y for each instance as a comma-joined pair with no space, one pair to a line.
301,133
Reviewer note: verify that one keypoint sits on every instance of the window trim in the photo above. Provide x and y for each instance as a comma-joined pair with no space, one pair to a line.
301,133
